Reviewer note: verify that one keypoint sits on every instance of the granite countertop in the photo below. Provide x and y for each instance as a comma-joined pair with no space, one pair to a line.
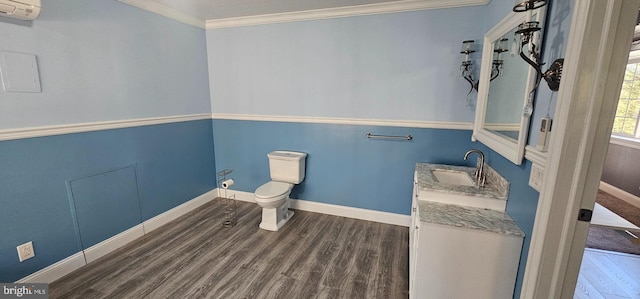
477,218
495,187
468,217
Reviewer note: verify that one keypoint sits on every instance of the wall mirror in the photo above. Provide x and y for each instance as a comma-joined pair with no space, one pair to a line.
504,89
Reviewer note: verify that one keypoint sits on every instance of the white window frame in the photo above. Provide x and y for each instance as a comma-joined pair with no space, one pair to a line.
634,57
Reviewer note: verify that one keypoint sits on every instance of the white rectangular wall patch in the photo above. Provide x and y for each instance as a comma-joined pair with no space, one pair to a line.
19,72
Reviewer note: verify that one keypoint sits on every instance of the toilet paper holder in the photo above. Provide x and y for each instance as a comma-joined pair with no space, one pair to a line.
227,203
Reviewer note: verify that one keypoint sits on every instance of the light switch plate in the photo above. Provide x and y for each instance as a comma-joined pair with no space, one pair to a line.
19,72
25,251
536,177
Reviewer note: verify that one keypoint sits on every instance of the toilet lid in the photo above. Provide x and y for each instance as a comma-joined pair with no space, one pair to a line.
272,189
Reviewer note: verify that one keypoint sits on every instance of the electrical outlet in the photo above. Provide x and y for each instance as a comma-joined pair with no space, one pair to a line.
536,177
25,251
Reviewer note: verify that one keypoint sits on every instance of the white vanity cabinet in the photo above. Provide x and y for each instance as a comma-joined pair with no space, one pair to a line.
459,251
414,238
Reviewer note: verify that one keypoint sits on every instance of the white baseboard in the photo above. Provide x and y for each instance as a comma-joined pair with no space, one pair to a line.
99,250
350,212
238,195
178,211
69,264
336,210
619,193
57,270
74,262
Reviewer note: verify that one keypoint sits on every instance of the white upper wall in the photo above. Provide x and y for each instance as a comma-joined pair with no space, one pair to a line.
103,61
398,66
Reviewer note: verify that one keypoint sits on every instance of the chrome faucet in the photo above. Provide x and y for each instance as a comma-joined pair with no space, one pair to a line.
479,173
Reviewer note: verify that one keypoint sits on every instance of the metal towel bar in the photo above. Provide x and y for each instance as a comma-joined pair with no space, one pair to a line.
408,137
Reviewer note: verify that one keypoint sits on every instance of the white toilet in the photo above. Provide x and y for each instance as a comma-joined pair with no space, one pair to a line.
286,169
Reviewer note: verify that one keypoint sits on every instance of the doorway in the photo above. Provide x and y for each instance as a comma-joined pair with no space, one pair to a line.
611,262
595,57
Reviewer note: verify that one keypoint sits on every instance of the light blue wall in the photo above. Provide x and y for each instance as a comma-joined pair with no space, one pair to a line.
402,66
100,61
105,60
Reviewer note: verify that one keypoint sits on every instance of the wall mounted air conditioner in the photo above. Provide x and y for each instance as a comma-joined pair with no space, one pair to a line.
20,9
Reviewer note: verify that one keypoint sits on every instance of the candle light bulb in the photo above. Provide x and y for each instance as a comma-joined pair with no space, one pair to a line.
467,46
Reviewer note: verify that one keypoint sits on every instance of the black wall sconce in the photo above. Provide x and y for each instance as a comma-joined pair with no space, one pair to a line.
500,47
467,66
526,30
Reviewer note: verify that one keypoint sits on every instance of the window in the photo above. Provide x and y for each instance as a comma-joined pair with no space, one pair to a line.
626,119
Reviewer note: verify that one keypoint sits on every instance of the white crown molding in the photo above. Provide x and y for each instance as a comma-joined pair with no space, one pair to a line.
12,134
166,11
340,12
534,155
348,121
315,14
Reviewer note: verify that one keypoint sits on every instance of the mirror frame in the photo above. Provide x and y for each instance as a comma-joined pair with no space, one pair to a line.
509,148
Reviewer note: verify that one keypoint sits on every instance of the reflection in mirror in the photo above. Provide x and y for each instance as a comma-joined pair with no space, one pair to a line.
503,91
504,108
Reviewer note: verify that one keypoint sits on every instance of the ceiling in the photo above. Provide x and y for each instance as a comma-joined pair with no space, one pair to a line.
230,13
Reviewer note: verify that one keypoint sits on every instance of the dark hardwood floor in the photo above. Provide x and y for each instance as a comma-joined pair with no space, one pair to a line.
313,256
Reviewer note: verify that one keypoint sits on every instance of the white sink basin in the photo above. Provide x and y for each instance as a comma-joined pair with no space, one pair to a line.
456,185
453,177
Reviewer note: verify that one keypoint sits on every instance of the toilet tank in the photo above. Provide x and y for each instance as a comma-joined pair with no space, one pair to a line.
286,166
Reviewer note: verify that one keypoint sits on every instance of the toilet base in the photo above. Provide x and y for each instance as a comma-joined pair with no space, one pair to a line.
274,218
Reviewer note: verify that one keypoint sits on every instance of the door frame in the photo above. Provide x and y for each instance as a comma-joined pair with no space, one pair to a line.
596,56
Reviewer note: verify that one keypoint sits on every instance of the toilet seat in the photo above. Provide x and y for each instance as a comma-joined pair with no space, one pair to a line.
273,189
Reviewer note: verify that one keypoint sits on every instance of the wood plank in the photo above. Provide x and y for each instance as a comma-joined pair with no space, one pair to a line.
344,263
313,256
598,280
391,264
585,290
629,263
625,283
